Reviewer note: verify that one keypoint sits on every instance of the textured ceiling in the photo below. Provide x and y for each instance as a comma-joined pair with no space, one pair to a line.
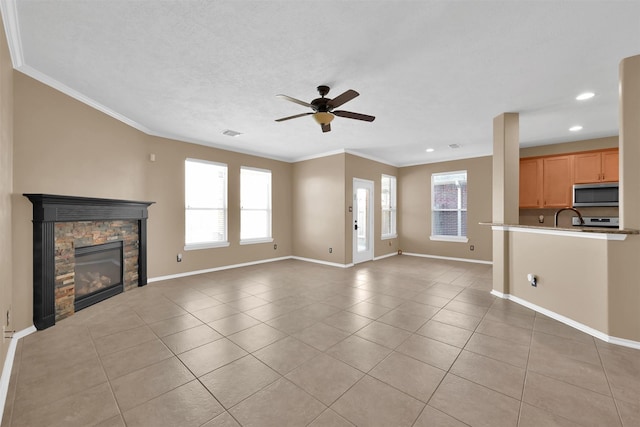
433,73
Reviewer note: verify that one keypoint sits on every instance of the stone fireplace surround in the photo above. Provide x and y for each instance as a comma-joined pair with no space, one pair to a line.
61,223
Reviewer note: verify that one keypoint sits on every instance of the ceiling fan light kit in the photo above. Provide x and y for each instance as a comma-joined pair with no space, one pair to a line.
323,118
323,108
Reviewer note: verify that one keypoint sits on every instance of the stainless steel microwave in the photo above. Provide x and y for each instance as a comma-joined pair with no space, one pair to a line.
603,194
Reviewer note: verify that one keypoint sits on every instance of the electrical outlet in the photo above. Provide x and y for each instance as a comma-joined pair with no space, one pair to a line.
330,250
179,257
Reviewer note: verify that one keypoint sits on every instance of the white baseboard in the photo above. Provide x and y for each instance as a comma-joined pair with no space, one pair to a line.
570,322
475,261
210,270
385,256
319,261
8,365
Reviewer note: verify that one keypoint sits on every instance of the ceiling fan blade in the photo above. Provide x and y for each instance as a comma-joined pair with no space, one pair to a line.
292,117
357,116
326,128
341,99
297,101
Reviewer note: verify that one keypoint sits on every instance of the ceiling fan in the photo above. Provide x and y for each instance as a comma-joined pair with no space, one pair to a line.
323,108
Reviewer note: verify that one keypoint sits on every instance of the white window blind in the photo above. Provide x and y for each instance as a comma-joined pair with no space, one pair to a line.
449,205
205,204
388,198
255,205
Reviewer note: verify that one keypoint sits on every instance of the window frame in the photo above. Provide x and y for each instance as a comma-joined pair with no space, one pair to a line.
225,209
269,238
443,237
392,208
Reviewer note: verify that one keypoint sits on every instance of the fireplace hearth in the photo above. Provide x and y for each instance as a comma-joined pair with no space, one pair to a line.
64,228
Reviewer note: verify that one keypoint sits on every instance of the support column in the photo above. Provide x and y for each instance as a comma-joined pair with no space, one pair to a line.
506,178
630,142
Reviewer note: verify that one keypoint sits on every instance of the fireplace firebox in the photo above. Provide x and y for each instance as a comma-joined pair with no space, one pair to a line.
98,273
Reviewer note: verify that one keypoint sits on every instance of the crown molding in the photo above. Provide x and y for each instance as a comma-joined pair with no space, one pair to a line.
12,30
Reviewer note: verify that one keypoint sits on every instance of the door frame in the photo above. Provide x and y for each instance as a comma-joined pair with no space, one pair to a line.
359,257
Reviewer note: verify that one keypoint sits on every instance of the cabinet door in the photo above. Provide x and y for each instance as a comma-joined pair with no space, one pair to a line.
558,181
610,166
587,168
531,183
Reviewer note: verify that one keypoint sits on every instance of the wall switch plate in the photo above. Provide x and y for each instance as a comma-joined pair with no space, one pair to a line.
330,250
472,248
179,257
275,246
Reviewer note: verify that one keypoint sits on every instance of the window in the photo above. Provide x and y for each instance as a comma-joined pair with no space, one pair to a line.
388,197
449,206
205,204
255,205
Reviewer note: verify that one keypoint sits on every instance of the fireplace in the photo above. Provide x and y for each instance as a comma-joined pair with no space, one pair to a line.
98,273
70,236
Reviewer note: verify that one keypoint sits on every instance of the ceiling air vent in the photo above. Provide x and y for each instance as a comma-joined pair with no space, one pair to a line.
230,132
454,146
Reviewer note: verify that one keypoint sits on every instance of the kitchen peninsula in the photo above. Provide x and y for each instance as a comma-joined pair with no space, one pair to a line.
586,278
582,277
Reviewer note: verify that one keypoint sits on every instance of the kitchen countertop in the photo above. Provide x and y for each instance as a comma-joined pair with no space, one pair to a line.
601,230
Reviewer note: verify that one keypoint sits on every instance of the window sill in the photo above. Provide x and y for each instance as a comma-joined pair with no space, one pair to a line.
459,239
256,241
389,236
209,245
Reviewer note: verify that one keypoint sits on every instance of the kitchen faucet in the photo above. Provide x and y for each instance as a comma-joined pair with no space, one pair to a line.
555,218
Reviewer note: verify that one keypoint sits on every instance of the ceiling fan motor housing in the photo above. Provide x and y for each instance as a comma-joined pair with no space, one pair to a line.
321,105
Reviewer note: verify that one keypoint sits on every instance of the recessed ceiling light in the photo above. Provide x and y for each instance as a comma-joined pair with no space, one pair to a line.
575,128
586,95
429,150
230,132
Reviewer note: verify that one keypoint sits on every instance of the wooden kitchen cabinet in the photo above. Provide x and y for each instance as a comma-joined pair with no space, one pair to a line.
531,183
557,181
610,166
547,181
596,166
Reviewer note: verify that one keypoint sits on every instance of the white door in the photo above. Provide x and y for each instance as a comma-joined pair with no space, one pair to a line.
362,220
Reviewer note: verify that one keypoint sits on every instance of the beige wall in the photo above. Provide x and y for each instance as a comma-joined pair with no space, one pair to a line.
65,147
624,288
358,167
6,184
320,212
323,193
569,282
414,191
570,147
590,281
165,186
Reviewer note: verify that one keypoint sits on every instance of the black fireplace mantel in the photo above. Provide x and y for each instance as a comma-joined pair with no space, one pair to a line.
49,209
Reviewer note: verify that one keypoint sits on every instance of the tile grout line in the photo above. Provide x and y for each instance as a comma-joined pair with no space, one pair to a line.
615,401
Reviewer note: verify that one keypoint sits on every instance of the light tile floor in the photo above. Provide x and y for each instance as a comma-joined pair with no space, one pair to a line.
402,341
